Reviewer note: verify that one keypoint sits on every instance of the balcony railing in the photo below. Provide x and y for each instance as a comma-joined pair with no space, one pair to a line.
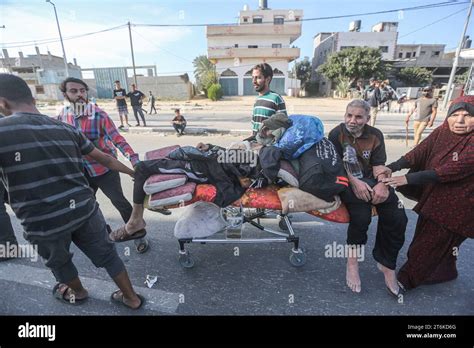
293,30
222,53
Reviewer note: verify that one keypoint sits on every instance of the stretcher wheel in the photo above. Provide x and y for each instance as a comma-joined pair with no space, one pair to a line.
282,225
186,260
141,245
298,258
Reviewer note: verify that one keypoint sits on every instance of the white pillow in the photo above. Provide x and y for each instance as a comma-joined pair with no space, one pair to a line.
162,182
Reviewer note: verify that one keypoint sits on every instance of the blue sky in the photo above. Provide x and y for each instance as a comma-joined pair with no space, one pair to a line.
172,49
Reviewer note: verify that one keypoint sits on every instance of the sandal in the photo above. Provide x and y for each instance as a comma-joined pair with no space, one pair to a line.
121,235
60,291
120,300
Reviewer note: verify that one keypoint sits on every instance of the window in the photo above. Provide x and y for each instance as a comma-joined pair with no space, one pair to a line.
297,19
344,47
60,74
253,46
276,45
400,55
383,49
279,20
435,54
257,19
236,45
408,55
245,20
39,89
422,53
414,54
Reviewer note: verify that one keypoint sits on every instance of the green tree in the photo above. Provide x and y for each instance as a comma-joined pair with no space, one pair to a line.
302,71
204,72
415,76
461,78
347,66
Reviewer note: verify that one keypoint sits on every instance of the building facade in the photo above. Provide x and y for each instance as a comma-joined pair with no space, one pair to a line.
383,36
262,35
42,72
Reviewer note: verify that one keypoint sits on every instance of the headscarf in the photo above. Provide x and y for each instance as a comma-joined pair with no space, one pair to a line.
465,102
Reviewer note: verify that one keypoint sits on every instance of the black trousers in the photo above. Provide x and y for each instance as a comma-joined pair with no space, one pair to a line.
137,109
390,229
6,229
179,128
152,107
111,186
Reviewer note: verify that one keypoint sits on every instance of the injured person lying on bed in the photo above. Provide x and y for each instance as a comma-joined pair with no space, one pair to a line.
289,160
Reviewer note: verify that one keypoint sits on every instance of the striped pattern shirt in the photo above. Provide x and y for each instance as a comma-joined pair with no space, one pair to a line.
42,169
99,128
265,106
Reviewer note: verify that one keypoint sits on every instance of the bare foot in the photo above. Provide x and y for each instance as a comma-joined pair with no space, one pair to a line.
135,226
390,278
352,275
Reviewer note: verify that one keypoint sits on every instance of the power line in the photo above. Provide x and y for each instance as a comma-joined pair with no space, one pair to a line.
421,7
437,21
17,44
47,41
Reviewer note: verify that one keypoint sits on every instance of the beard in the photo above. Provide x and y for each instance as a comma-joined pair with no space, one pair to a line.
5,112
259,88
79,105
355,130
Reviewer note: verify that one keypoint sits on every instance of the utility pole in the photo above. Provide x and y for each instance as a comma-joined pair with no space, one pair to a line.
60,38
133,57
456,59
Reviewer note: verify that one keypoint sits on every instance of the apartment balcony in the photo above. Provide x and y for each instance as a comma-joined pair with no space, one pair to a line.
260,52
293,30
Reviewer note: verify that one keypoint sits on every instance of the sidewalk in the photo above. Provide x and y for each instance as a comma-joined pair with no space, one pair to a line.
232,115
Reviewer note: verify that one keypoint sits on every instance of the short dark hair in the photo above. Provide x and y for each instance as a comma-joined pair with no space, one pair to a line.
62,86
177,110
15,89
265,68
116,81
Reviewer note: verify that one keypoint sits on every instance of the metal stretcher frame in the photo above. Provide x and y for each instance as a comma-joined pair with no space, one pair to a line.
297,256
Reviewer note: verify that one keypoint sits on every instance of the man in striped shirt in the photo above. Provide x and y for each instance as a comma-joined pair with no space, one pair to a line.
42,169
268,102
7,235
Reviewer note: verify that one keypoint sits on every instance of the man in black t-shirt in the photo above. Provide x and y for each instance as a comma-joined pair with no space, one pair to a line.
136,100
119,96
362,148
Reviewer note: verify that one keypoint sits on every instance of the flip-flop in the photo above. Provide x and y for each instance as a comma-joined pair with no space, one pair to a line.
121,235
60,295
120,301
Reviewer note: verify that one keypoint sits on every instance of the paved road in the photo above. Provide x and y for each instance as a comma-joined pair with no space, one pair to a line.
234,116
260,280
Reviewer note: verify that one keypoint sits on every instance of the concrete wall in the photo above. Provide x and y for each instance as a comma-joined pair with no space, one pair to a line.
372,39
244,41
322,50
167,87
269,14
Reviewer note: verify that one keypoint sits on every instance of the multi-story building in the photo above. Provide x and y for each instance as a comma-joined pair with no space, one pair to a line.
431,57
262,35
383,36
42,72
